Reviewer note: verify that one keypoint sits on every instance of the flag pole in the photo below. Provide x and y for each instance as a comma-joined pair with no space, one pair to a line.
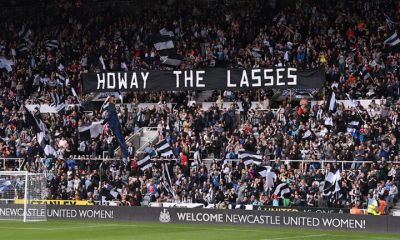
169,178
358,111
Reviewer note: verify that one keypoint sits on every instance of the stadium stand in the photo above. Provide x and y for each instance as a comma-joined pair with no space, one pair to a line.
242,148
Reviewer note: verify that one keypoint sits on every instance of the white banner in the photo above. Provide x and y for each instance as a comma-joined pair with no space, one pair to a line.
46,108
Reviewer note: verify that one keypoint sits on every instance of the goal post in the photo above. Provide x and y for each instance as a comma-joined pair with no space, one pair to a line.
23,196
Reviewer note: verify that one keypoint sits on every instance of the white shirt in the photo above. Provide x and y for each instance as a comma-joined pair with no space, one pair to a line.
328,121
393,190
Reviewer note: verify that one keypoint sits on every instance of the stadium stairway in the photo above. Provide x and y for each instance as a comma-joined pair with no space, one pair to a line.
395,211
140,140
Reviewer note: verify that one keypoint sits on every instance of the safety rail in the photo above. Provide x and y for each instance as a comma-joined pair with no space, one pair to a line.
139,133
129,139
5,160
151,140
110,203
301,161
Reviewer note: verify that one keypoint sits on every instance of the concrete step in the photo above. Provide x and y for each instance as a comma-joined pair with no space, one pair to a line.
395,212
145,139
203,96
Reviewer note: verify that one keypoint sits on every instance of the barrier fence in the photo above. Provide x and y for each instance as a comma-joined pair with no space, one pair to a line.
311,220
303,162
15,161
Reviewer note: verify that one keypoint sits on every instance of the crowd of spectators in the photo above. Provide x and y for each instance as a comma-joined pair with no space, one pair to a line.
345,38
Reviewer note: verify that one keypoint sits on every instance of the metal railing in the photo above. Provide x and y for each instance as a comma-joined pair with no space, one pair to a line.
150,140
322,162
5,160
110,203
130,138
139,134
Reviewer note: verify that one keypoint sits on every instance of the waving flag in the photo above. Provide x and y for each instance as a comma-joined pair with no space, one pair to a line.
101,64
393,40
250,157
5,185
332,102
145,163
282,190
24,33
22,48
332,183
6,63
115,126
270,176
42,133
166,48
51,44
164,149
90,131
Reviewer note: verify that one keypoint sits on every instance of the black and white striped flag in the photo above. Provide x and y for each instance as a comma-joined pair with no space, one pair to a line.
56,100
166,48
337,181
172,59
250,157
24,41
49,150
101,63
24,33
329,183
43,137
257,53
332,102
164,44
279,18
117,39
164,149
390,23
307,134
76,96
354,123
264,171
393,40
42,133
282,190
51,44
332,183
145,163
6,63
22,47
60,67
165,32
225,161
355,105
353,126
61,80
364,73
93,130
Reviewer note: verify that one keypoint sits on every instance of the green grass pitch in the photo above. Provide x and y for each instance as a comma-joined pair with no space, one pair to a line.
74,230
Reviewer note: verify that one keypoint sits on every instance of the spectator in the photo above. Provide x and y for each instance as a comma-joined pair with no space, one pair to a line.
349,49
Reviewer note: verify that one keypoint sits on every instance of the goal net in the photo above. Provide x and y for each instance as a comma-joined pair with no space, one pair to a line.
22,196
